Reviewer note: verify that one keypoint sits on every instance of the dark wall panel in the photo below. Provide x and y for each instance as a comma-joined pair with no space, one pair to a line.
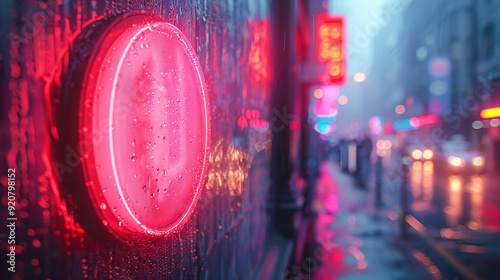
225,236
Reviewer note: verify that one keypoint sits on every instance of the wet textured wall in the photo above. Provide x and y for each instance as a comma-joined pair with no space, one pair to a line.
225,236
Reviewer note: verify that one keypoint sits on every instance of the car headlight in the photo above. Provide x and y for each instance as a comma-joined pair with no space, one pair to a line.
456,161
416,154
478,161
428,154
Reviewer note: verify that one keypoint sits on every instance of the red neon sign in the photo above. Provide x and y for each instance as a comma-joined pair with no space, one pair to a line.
144,119
330,48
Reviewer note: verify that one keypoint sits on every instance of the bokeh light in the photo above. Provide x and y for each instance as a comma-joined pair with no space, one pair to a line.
359,77
318,93
400,109
343,100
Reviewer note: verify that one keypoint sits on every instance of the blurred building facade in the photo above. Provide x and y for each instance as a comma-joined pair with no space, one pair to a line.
488,72
444,58
488,30
388,57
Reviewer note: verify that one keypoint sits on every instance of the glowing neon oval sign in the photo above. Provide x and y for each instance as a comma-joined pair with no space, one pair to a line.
144,111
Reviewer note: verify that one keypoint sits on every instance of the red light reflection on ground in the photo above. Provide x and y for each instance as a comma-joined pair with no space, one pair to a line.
331,255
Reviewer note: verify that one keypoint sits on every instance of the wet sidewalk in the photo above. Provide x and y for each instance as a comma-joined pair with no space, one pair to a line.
358,241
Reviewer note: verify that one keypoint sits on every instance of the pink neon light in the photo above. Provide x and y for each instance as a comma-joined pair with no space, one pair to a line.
424,120
145,114
376,125
326,105
242,122
388,128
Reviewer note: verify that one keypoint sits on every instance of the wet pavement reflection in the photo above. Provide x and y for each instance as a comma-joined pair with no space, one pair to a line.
454,200
356,240
459,211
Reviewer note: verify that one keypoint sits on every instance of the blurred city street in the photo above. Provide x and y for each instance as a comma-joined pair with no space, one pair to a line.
355,239
458,214
451,233
451,223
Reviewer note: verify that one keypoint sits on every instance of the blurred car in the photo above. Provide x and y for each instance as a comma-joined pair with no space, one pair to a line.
457,155
418,150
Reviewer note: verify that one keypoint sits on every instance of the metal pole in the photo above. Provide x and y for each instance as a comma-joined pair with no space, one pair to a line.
282,202
378,182
404,194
